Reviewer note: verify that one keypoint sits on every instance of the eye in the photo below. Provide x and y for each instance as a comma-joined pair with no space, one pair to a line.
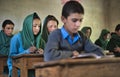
81,20
74,20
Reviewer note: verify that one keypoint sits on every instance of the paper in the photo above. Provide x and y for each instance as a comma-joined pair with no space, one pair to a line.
87,55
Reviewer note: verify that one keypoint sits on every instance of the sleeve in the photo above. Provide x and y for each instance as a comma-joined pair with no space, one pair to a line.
92,48
52,49
97,42
14,51
4,50
15,48
111,45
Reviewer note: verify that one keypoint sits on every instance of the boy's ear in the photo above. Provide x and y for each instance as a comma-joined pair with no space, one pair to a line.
63,19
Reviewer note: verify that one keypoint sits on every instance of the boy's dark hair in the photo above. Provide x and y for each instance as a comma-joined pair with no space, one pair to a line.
7,22
117,28
72,7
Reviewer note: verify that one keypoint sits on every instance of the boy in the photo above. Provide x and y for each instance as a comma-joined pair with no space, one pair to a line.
66,42
114,43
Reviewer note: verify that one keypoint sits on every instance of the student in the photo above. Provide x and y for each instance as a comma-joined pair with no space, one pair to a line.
67,42
5,37
28,40
50,24
87,31
114,43
103,39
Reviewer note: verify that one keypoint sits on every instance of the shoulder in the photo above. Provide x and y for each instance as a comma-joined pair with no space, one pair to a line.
56,33
83,37
16,36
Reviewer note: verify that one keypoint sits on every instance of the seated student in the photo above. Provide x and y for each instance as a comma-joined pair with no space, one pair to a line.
103,39
67,42
87,31
49,25
28,40
114,43
5,37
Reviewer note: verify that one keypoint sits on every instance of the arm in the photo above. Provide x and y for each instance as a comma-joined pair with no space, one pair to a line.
53,50
4,50
111,45
92,48
97,42
16,46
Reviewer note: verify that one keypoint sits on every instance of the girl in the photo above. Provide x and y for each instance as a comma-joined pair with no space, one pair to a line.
28,40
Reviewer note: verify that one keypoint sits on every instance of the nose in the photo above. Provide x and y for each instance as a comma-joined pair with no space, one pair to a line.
37,27
10,30
78,23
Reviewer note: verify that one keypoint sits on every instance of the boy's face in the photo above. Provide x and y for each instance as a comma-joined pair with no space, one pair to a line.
118,32
72,22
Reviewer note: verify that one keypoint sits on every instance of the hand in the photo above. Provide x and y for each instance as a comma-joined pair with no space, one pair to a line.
40,51
117,49
75,53
32,49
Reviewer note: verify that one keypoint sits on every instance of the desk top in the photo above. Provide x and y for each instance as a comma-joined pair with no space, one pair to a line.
77,61
27,55
1,56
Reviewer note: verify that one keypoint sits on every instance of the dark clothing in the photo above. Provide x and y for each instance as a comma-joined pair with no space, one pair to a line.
114,42
101,41
59,48
4,43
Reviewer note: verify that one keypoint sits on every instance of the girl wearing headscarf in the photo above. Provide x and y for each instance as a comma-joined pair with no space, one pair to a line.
50,24
87,31
28,40
5,37
103,39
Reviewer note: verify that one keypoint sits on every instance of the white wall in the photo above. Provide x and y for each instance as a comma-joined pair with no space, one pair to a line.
99,14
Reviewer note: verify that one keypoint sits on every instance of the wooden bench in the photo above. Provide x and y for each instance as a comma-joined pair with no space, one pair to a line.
24,63
105,67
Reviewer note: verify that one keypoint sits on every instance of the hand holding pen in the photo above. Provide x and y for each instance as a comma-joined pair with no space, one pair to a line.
32,49
40,51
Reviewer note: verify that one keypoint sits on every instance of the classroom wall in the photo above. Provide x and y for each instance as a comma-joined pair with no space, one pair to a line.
114,14
99,14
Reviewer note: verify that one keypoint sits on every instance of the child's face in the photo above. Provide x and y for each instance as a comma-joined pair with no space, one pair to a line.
8,29
88,32
36,26
52,25
73,22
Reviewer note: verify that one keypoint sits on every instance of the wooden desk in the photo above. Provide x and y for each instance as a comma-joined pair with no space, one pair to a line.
24,63
3,63
105,67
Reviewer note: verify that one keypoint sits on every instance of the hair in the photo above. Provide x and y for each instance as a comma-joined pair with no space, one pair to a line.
49,18
36,16
72,7
7,22
117,28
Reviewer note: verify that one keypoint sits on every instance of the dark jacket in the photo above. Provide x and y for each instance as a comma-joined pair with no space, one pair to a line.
59,48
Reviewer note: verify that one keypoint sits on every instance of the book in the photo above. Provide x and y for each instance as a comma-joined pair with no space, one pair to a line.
87,55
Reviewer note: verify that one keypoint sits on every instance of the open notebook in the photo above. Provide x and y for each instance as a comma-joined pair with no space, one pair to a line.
87,55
